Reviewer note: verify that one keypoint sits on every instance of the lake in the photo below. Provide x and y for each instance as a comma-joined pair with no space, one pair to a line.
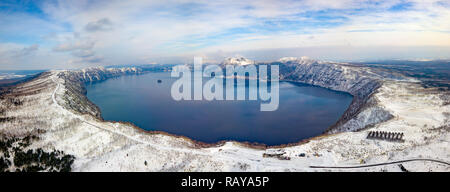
304,111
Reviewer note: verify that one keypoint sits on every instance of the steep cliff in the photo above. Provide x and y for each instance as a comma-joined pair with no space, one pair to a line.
74,83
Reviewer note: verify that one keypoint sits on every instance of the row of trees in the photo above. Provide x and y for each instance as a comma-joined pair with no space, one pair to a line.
31,160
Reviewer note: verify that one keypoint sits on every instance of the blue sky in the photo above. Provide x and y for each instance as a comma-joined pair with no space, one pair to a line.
83,33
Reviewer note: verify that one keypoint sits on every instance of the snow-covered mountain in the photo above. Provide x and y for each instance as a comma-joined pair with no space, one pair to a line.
237,61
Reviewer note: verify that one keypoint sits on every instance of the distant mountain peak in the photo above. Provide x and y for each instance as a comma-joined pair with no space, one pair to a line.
237,61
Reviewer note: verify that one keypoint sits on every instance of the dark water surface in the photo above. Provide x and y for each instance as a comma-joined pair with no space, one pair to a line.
304,111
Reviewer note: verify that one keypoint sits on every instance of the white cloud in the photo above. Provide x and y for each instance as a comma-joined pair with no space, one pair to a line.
73,46
127,32
26,51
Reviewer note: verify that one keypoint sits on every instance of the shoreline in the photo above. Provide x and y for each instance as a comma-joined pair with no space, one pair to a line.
201,144
254,145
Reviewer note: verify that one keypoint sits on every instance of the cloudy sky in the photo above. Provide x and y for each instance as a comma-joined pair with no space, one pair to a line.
75,34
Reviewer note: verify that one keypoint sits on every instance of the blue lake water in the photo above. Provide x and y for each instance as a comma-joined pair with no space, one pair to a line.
304,111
